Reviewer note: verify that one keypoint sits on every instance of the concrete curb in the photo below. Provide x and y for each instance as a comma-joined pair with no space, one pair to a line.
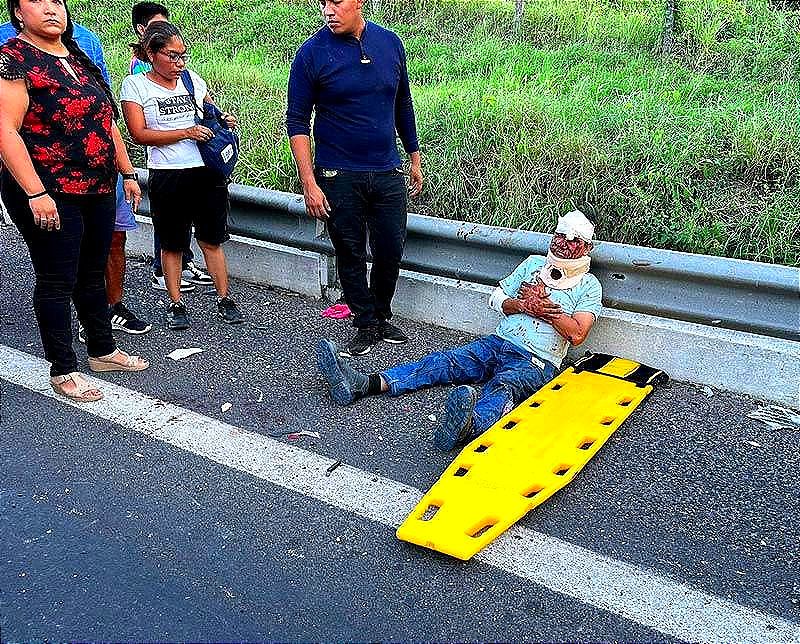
722,358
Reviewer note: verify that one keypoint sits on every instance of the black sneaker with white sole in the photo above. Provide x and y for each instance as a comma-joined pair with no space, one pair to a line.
228,311
366,338
196,275
177,316
391,334
123,319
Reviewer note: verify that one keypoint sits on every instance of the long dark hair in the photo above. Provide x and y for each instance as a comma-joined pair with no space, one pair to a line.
73,48
154,39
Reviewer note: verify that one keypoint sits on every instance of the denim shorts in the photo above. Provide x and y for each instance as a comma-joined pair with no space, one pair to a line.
125,219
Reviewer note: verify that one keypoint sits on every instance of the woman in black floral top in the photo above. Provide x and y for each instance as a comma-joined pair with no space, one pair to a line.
61,151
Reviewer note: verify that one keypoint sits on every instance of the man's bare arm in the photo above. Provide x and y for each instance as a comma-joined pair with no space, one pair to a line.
574,328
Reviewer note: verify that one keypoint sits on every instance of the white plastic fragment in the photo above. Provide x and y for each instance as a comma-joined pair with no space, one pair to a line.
180,354
305,432
777,417
432,418
225,407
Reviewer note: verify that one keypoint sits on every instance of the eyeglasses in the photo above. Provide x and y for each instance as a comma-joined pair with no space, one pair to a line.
174,58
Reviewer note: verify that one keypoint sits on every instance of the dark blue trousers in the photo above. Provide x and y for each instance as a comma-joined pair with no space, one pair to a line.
363,202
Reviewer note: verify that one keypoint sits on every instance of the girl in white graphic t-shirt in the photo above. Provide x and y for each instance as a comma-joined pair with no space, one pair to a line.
160,113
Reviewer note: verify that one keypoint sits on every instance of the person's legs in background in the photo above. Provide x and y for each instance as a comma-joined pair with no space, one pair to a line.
386,220
170,209
157,277
211,208
347,193
122,318
192,273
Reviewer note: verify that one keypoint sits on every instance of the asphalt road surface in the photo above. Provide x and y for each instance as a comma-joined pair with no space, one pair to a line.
155,515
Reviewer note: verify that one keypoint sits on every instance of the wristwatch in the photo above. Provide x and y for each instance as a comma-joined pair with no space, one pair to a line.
130,176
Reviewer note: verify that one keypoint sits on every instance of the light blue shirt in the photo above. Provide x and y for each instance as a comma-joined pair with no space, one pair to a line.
87,41
537,336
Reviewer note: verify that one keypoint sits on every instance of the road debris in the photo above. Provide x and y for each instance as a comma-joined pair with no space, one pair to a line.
281,432
706,390
225,407
295,435
776,417
333,466
337,312
180,354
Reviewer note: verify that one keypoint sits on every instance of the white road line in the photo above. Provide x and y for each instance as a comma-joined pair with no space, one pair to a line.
639,595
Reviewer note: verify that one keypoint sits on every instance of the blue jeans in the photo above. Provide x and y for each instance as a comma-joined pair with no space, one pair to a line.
509,375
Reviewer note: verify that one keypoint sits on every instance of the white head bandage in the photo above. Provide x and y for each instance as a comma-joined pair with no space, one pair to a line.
575,224
562,274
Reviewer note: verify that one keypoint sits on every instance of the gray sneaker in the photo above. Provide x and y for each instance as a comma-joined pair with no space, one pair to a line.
456,427
346,384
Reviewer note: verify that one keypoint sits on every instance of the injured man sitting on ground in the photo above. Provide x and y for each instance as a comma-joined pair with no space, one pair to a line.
547,304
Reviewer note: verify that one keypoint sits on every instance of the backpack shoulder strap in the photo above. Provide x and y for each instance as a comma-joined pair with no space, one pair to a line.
186,77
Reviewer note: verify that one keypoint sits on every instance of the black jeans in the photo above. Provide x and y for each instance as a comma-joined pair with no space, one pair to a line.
361,202
69,264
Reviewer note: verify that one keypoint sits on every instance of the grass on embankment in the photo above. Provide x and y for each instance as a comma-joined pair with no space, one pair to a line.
699,152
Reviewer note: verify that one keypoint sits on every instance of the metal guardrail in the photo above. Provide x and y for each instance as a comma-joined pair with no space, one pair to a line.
734,294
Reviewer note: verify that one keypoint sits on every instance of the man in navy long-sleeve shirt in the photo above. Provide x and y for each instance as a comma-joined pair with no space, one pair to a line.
352,75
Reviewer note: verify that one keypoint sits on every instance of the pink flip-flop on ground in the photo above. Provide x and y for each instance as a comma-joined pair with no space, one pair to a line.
337,312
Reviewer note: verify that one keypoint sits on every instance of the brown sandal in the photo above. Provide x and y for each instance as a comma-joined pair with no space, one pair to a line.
107,363
83,392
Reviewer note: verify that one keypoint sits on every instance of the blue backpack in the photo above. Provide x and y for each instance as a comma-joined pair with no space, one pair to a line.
221,152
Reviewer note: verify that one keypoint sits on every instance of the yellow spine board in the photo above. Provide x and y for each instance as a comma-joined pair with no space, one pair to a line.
523,459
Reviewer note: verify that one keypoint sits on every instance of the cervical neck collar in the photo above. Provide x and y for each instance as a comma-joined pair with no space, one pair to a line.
561,274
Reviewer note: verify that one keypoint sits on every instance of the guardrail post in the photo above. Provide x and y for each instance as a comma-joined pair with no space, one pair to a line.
328,276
